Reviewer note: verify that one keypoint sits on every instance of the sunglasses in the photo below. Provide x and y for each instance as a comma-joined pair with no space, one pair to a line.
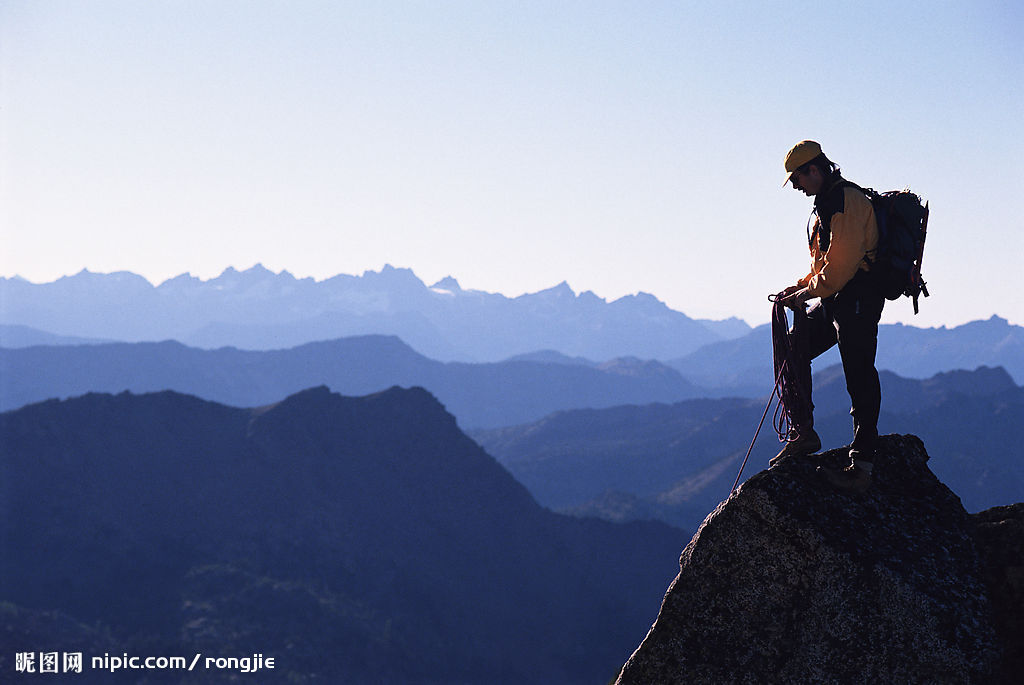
801,170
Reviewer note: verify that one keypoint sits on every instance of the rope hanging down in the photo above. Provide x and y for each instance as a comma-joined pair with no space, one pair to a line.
788,351
771,397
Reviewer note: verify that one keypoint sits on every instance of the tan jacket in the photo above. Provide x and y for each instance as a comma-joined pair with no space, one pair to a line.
854,235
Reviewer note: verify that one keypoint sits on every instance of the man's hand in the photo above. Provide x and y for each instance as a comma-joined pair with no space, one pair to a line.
789,290
795,296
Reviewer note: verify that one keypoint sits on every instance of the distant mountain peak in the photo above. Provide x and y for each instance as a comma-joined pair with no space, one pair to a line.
640,296
984,380
318,392
392,276
113,277
256,276
182,281
322,395
448,284
645,302
388,269
560,291
257,270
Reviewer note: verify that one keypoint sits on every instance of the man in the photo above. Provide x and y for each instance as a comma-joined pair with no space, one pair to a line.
842,246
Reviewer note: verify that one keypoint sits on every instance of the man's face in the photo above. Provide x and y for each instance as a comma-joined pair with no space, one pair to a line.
808,179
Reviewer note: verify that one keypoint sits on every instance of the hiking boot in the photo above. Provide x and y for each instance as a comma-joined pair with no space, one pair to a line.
800,444
854,478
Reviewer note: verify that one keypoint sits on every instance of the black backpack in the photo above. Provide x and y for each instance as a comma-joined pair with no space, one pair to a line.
902,227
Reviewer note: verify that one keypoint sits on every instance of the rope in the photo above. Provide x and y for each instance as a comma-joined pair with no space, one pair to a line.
787,352
764,414
794,396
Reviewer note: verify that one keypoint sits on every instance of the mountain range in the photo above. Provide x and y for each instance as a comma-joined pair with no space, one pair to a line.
353,539
675,462
622,440
258,309
480,395
369,539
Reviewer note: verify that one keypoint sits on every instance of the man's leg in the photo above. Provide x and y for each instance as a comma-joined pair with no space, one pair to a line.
858,310
857,316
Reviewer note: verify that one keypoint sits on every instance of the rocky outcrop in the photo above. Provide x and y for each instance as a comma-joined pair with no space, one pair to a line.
793,581
1000,537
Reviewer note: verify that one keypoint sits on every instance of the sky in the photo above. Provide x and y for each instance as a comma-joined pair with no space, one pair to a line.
619,146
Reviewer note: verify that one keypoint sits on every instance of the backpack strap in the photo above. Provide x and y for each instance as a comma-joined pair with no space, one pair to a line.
823,230
810,219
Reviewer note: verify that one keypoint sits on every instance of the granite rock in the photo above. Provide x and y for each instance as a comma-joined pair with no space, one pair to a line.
793,581
1000,539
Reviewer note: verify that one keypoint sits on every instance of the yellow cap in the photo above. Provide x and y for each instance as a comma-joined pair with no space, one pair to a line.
800,154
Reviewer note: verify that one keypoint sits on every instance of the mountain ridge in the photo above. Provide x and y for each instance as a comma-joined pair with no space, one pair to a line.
258,309
364,539
673,462
480,395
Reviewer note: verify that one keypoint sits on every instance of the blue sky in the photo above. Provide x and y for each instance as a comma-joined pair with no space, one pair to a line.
620,146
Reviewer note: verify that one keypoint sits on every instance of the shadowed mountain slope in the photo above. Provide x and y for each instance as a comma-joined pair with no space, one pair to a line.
14,336
355,539
675,462
480,395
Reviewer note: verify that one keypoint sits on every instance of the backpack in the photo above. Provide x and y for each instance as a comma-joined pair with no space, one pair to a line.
902,227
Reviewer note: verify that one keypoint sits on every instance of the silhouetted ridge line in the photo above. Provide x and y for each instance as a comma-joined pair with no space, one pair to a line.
360,539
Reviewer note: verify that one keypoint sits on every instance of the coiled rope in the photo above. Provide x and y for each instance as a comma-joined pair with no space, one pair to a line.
794,398
787,351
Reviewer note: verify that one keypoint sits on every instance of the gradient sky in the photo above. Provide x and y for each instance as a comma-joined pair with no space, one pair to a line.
620,146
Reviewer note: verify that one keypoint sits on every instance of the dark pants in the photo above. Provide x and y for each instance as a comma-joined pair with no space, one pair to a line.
849,318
